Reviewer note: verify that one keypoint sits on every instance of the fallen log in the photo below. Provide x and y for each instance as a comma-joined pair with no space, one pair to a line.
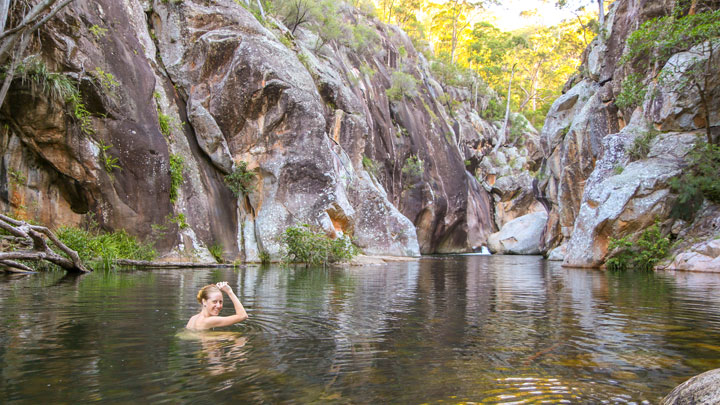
35,237
162,265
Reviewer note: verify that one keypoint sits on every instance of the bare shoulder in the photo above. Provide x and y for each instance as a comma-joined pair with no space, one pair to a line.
192,322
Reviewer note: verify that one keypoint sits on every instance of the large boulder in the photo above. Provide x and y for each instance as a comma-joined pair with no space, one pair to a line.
520,236
701,389
623,202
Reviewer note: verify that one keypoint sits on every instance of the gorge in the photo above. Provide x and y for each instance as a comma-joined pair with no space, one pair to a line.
357,138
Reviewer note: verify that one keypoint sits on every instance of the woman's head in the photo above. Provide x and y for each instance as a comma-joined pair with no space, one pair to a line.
206,292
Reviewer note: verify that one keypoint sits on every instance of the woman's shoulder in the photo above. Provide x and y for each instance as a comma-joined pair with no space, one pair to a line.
192,323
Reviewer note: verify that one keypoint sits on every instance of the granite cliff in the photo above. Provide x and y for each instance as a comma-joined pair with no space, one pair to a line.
199,88
599,189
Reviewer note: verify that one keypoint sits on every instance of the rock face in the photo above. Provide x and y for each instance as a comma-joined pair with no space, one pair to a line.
701,389
520,236
578,121
206,84
596,189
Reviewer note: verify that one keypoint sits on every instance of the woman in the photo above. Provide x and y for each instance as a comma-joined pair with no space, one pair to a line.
211,299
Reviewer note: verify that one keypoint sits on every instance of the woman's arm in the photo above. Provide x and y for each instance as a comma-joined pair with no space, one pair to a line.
240,314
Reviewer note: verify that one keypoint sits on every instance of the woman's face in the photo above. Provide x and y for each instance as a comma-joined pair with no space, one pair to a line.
214,303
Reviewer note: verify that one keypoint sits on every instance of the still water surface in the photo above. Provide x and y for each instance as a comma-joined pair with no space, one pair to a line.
453,329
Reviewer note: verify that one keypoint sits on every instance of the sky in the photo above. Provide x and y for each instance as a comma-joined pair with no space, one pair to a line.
506,16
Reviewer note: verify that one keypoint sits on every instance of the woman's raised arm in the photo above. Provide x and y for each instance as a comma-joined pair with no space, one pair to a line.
240,313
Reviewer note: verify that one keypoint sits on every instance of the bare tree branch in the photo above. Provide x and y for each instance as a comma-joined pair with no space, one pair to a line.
36,235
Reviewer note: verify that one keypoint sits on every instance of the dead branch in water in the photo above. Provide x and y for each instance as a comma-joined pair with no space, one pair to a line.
35,236
147,264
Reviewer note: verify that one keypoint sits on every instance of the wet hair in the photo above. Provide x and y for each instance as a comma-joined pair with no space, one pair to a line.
204,292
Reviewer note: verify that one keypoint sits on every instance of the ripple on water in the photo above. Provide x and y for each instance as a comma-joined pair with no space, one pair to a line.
489,329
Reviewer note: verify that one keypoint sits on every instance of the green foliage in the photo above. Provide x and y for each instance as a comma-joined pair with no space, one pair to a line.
565,131
109,162
364,38
641,145
81,114
107,80
285,41
241,180
699,181
100,250
216,250
305,60
450,74
34,72
539,59
369,165
367,70
660,38
264,257
329,25
179,219
367,7
166,123
618,169
403,85
519,126
495,111
177,163
303,245
414,167
641,255
632,93
98,31
17,177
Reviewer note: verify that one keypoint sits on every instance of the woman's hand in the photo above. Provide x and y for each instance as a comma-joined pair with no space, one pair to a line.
224,286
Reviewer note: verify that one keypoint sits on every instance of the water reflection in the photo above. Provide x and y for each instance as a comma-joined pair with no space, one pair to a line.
220,352
471,328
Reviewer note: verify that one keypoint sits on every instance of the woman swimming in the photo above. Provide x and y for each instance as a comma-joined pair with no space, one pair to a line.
211,299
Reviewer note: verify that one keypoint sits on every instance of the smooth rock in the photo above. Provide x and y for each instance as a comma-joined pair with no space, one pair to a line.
703,389
520,236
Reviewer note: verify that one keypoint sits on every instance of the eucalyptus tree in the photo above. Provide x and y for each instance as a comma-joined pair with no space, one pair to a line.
450,19
581,4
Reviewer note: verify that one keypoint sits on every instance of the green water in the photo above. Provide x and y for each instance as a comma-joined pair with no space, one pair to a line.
454,329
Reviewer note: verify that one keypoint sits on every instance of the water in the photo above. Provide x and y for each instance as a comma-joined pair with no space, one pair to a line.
486,329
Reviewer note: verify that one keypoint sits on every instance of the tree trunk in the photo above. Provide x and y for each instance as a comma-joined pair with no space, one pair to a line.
501,135
4,10
693,7
453,39
475,85
262,10
601,12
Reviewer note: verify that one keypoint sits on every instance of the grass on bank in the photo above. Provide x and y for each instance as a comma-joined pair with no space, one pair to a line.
99,250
